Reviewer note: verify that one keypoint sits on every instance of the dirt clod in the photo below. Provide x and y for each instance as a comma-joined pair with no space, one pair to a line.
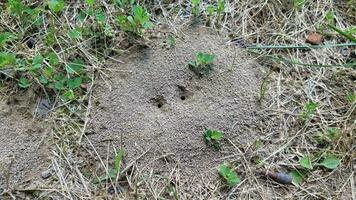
314,38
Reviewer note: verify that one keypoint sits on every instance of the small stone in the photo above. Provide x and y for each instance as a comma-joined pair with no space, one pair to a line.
46,174
314,38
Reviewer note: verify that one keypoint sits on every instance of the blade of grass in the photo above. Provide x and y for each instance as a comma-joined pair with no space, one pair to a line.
301,46
348,36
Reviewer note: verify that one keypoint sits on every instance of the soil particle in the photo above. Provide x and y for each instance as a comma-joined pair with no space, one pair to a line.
164,107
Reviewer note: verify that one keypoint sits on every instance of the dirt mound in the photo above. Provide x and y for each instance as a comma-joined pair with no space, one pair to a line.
23,147
161,107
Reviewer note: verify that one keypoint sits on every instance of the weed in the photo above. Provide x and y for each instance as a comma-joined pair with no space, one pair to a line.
202,64
297,177
330,135
213,137
220,6
229,175
347,33
309,110
298,3
210,10
56,5
330,162
115,171
171,41
195,7
306,162
351,97
137,22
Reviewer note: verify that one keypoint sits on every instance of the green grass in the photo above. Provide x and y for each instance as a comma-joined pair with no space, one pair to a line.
202,64
57,53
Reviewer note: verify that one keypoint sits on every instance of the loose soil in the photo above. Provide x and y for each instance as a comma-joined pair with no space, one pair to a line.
153,103
23,145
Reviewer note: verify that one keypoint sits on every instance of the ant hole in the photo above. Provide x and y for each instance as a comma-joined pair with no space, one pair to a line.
182,98
159,105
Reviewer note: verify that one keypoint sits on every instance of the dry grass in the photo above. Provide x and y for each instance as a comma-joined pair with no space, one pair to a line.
284,137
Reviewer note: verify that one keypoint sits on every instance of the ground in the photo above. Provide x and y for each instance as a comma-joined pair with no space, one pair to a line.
132,127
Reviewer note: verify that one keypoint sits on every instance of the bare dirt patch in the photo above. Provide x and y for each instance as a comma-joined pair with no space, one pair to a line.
23,144
161,107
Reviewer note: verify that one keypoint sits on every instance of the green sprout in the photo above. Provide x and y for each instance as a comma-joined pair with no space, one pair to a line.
195,7
229,175
309,110
202,64
137,23
213,137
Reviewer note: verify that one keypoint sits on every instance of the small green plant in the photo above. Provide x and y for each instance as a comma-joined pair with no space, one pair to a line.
309,110
298,3
137,22
306,162
229,175
329,136
115,171
56,5
195,7
297,177
347,33
330,162
171,41
220,7
202,64
213,137
351,97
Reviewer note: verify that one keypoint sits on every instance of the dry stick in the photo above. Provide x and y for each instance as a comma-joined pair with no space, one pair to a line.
246,165
352,183
133,162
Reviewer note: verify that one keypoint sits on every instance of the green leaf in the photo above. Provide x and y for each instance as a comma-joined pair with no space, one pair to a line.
221,6
100,16
330,162
90,2
59,85
43,80
6,59
24,82
210,9
213,138
330,17
297,177
351,97
53,59
56,5
15,6
6,37
306,162
36,63
74,83
204,58
75,67
74,34
113,172
298,3
332,133
68,95
118,159
230,176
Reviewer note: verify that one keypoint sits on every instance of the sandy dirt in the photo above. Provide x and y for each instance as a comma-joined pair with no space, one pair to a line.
23,145
158,105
